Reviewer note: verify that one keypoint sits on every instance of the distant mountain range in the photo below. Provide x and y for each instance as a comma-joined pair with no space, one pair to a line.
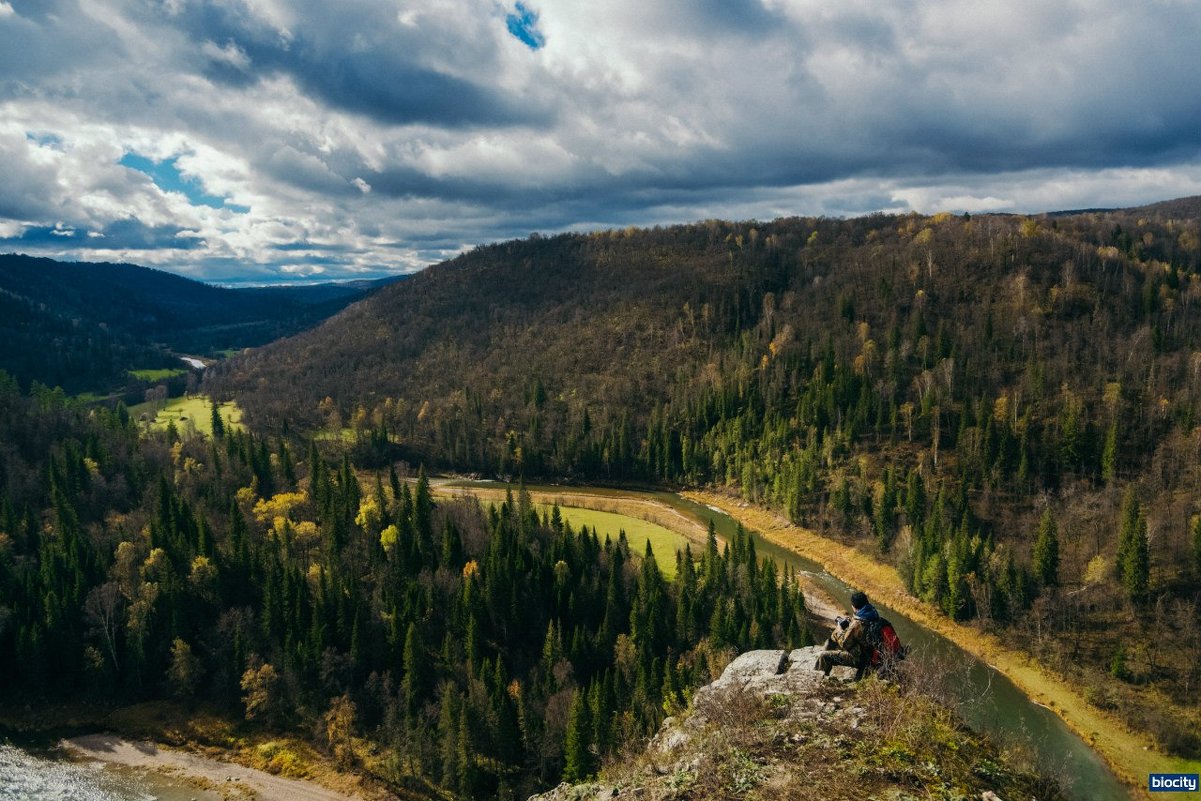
84,326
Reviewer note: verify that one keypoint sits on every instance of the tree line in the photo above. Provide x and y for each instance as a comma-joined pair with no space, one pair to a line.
487,651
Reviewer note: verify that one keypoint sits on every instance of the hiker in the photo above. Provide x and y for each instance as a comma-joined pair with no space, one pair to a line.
863,641
847,644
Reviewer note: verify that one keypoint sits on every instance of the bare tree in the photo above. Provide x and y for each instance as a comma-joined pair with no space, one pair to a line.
103,609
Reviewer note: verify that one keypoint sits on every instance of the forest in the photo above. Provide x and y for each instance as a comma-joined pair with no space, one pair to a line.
487,651
84,327
1005,407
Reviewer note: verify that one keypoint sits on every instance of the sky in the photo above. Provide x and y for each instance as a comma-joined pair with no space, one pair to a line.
266,141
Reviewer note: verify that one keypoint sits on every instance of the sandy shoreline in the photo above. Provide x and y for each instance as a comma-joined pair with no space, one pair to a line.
227,778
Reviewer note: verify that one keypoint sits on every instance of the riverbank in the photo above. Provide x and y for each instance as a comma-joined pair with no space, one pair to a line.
1131,755
211,752
231,780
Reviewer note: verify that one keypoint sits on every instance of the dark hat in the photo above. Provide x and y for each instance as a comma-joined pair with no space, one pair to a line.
858,599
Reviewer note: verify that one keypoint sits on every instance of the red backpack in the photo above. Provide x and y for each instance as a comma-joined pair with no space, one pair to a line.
886,645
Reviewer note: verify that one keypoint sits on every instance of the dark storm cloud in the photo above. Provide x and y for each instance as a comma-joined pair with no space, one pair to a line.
360,60
368,135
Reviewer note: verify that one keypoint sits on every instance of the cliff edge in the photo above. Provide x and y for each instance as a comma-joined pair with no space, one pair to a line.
772,727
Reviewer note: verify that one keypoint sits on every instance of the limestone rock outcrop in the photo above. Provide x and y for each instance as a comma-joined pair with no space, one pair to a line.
786,675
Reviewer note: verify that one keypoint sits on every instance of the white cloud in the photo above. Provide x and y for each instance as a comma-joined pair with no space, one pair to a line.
438,129
229,54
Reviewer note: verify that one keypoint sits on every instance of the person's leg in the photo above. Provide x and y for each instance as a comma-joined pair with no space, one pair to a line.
828,659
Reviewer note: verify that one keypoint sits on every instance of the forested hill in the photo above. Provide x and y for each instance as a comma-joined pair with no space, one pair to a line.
1000,405
619,354
83,326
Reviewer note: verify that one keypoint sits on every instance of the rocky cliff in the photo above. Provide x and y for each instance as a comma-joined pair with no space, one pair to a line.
772,727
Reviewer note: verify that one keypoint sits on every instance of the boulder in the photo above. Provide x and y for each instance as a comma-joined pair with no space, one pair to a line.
751,666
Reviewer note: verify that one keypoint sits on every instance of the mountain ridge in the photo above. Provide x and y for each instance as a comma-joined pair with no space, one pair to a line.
84,325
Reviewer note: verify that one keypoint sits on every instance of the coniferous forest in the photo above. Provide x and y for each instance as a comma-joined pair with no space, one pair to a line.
490,650
1004,407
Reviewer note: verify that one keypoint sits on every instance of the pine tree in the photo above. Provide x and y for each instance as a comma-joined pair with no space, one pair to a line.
1046,551
1197,546
1109,453
1136,563
217,423
577,759
1127,529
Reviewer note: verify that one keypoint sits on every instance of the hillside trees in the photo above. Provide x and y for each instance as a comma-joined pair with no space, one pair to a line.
145,567
1046,550
924,387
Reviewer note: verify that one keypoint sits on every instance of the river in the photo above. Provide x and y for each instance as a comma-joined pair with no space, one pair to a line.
193,362
37,774
985,698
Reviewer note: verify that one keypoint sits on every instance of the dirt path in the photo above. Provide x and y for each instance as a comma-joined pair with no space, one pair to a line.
232,781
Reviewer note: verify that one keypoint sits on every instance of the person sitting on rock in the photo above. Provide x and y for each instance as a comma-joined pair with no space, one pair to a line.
848,644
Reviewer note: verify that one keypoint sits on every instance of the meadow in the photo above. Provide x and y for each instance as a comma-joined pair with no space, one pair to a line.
159,374
664,542
187,412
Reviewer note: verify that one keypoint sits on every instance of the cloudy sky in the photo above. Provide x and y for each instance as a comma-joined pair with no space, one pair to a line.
272,140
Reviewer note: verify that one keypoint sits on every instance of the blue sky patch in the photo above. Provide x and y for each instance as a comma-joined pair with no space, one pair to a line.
45,140
167,177
523,23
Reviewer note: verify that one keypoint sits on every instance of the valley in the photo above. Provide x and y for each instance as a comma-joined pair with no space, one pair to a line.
889,395
534,401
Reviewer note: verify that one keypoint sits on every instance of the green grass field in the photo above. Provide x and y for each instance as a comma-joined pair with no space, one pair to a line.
664,542
92,397
161,374
344,434
191,410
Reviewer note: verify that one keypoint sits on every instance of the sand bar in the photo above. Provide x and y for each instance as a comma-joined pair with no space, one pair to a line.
230,779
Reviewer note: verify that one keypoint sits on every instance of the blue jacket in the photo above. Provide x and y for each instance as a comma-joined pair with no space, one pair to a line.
867,614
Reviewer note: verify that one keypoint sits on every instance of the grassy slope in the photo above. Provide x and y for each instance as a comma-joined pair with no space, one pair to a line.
1131,755
868,740
667,530
664,542
194,409
160,374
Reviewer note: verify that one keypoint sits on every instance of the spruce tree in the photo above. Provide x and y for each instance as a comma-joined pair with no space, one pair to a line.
1197,546
1046,551
1128,523
413,687
577,758
217,423
1136,563
1109,453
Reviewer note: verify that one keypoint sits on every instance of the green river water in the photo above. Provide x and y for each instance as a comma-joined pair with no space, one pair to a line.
985,698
